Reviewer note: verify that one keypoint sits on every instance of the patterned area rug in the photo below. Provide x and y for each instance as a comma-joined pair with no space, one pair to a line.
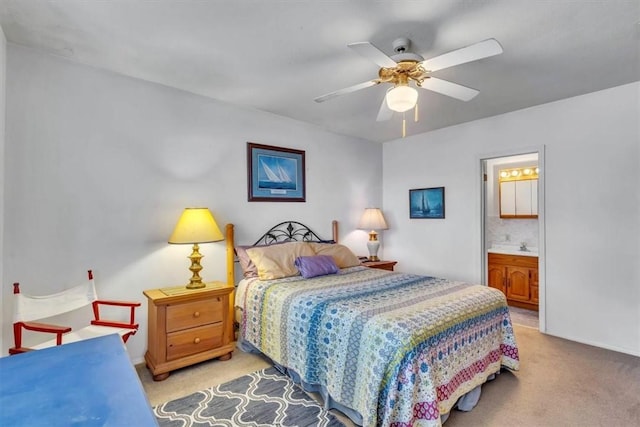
264,398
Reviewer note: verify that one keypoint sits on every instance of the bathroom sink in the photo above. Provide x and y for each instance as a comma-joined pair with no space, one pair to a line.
513,250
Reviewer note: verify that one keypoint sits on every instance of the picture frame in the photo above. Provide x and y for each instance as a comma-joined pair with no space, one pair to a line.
426,203
275,174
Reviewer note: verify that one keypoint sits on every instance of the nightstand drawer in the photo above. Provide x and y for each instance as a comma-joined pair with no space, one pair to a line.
192,314
192,341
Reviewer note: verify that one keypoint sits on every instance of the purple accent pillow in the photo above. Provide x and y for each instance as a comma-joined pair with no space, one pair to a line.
319,265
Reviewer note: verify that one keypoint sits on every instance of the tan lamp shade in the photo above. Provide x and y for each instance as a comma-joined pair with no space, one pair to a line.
196,225
373,220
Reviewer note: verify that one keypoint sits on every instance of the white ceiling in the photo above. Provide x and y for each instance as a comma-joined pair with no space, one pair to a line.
278,55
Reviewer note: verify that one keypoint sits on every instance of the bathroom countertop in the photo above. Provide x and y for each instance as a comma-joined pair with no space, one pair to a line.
513,250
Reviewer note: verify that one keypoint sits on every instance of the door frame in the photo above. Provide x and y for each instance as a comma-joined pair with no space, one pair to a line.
482,158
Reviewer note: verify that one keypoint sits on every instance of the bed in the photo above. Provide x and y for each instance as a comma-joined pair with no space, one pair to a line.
385,348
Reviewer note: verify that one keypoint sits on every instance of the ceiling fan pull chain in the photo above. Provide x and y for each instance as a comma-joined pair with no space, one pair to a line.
404,126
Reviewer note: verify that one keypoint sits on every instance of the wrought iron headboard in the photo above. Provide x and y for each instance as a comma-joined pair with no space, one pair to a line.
289,231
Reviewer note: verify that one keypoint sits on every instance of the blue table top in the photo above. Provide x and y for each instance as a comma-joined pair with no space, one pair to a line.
87,383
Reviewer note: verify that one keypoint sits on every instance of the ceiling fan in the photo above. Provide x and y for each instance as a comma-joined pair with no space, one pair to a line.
406,67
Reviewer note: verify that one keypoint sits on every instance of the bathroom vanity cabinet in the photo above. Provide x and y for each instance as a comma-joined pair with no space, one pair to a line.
517,277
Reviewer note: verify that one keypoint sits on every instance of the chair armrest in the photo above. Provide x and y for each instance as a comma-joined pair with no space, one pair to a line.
118,303
45,327
36,327
132,305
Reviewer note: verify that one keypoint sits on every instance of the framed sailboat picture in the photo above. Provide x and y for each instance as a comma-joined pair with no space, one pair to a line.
275,174
426,203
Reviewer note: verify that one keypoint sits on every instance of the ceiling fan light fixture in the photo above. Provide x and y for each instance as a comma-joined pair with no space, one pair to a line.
401,98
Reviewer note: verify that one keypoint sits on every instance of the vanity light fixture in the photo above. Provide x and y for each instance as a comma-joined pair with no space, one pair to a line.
517,174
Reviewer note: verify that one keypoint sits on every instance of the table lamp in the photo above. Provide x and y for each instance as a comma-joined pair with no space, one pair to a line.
373,220
196,225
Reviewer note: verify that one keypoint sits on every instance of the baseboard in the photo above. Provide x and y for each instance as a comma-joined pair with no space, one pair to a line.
599,345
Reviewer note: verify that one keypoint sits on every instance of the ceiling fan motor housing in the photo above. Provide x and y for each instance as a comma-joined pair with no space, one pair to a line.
401,44
401,74
408,65
401,48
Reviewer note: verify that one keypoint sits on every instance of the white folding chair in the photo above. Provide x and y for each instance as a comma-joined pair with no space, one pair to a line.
29,308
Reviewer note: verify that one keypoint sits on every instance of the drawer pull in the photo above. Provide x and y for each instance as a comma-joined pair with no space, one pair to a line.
196,314
196,341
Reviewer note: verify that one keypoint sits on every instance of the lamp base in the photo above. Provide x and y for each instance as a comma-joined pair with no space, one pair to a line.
373,245
196,285
196,281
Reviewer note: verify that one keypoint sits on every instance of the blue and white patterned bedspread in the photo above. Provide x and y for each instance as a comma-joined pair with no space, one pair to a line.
398,348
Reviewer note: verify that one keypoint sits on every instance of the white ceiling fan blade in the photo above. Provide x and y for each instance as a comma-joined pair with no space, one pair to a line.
480,50
346,90
385,113
372,53
453,90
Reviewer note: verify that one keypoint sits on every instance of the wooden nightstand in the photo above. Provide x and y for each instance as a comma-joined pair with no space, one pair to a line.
382,265
187,326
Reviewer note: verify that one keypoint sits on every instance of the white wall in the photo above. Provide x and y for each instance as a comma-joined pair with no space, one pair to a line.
592,164
3,74
100,166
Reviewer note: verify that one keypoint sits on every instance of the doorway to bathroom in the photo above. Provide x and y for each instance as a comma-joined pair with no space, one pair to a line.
513,231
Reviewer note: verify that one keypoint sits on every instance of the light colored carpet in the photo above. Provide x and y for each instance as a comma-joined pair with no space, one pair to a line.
185,381
524,317
560,383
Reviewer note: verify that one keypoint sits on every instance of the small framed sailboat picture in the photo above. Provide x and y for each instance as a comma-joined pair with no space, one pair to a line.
275,174
426,203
